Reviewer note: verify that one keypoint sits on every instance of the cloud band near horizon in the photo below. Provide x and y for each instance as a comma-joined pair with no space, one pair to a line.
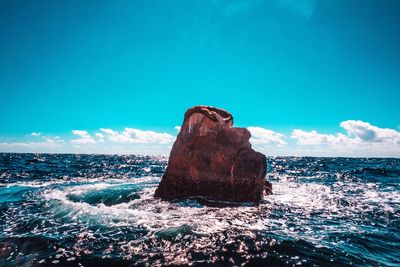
357,139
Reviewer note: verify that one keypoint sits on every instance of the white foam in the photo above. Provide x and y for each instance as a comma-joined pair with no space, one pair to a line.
302,201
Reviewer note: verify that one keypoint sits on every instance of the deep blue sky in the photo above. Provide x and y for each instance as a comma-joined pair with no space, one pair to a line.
280,65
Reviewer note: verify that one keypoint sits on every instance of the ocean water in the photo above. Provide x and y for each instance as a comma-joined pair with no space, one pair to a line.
94,210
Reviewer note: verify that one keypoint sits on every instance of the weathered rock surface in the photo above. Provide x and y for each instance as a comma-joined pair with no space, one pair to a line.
211,159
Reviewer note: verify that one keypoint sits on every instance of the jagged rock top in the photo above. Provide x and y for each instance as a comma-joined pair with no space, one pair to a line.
215,114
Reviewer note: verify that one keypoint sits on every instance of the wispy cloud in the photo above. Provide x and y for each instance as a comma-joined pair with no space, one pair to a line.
35,133
84,138
262,136
100,137
105,140
46,143
131,135
306,138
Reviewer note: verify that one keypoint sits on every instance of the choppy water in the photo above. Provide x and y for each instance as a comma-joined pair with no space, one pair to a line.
88,210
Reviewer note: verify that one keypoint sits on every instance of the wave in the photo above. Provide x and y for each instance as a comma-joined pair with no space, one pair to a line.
323,212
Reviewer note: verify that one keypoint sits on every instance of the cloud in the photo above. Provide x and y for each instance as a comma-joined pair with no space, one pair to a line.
177,128
356,138
84,138
361,139
100,137
366,132
264,136
130,135
35,133
357,133
47,143
314,138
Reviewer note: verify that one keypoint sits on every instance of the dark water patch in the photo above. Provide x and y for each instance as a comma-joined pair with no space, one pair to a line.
376,174
23,251
379,172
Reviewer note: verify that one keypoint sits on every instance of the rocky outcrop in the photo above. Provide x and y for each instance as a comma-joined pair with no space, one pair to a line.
211,159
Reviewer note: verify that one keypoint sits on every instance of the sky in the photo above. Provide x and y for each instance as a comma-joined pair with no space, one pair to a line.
306,77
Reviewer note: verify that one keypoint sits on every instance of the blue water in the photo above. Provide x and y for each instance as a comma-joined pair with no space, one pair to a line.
89,210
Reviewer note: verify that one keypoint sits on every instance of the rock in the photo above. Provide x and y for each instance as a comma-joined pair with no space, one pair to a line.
211,159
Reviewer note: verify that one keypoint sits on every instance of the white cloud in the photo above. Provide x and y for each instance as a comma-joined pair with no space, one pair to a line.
369,133
100,137
47,143
315,138
177,128
35,133
361,139
130,135
261,136
84,138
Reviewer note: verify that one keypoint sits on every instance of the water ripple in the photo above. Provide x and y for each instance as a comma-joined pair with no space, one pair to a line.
70,209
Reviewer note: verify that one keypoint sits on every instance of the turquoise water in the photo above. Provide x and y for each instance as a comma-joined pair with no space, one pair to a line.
73,210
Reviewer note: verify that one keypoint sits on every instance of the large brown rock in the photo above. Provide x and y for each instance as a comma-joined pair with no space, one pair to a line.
211,159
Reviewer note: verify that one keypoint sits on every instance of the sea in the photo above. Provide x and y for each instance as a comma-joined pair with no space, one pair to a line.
99,210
